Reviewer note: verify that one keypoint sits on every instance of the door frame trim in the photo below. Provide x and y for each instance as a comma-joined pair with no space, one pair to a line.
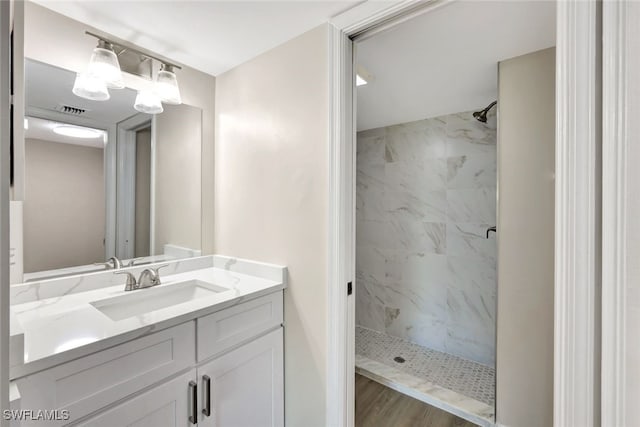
126,182
617,53
578,215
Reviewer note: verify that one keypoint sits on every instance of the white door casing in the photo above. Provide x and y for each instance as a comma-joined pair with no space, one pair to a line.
578,206
620,213
126,182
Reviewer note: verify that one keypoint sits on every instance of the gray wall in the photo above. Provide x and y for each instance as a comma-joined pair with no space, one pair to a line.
178,202
526,156
64,210
143,193
271,199
426,193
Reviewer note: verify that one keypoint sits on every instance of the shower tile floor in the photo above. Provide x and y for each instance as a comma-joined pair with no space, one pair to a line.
460,386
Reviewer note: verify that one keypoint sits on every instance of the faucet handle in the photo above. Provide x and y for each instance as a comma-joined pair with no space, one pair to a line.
131,281
132,262
157,272
159,267
106,265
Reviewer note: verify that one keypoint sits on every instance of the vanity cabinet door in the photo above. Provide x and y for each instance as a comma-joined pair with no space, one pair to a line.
246,386
91,383
167,405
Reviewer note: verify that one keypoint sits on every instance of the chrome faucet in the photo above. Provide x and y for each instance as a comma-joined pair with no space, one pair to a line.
112,263
149,277
131,284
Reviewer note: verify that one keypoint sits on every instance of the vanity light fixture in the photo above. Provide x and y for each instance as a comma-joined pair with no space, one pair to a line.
77,131
147,101
105,66
167,85
104,73
90,87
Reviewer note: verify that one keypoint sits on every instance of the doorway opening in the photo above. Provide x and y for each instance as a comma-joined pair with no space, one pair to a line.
437,97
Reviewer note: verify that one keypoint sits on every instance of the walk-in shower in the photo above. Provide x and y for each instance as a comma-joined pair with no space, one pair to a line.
425,269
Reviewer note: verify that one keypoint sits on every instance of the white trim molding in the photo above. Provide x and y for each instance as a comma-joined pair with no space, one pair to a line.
5,96
577,245
617,53
126,183
338,353
361,20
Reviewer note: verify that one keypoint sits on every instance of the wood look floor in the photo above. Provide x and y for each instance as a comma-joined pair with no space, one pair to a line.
380,406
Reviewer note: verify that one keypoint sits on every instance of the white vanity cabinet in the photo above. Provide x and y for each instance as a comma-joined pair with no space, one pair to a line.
244,388
224,369
88,384
166,405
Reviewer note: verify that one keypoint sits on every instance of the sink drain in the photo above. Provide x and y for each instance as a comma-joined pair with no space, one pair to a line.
399,359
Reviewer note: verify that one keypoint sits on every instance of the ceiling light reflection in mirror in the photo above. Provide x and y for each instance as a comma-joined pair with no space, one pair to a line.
52,131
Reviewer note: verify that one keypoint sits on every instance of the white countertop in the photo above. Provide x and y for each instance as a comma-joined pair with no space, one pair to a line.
56,330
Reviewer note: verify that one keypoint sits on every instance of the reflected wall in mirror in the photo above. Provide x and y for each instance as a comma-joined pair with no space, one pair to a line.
65,210
103,180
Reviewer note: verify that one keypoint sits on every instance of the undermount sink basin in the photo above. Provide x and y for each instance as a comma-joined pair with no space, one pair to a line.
143,301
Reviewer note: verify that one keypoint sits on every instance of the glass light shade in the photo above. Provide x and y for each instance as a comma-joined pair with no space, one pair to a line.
104,65
90,87
167,87
148,102
77,131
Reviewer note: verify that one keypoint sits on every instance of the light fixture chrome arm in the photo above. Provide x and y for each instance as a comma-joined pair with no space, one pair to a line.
122,48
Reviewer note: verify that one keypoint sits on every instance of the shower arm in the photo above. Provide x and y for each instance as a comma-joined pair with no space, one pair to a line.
490,106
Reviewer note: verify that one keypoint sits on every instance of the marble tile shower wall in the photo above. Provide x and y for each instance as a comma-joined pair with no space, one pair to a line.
426,193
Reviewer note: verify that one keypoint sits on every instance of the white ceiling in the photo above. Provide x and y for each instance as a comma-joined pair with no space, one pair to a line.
211,36
47,87
445,61
43,130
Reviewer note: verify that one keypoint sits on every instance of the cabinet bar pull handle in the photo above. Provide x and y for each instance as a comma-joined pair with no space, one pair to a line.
193,402
206,383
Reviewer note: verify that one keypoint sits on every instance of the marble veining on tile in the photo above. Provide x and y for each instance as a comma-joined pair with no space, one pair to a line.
425,270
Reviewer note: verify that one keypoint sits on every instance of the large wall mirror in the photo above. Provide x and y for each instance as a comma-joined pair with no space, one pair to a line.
101,179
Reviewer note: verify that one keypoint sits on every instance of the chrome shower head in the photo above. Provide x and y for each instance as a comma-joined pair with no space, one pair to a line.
481,115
